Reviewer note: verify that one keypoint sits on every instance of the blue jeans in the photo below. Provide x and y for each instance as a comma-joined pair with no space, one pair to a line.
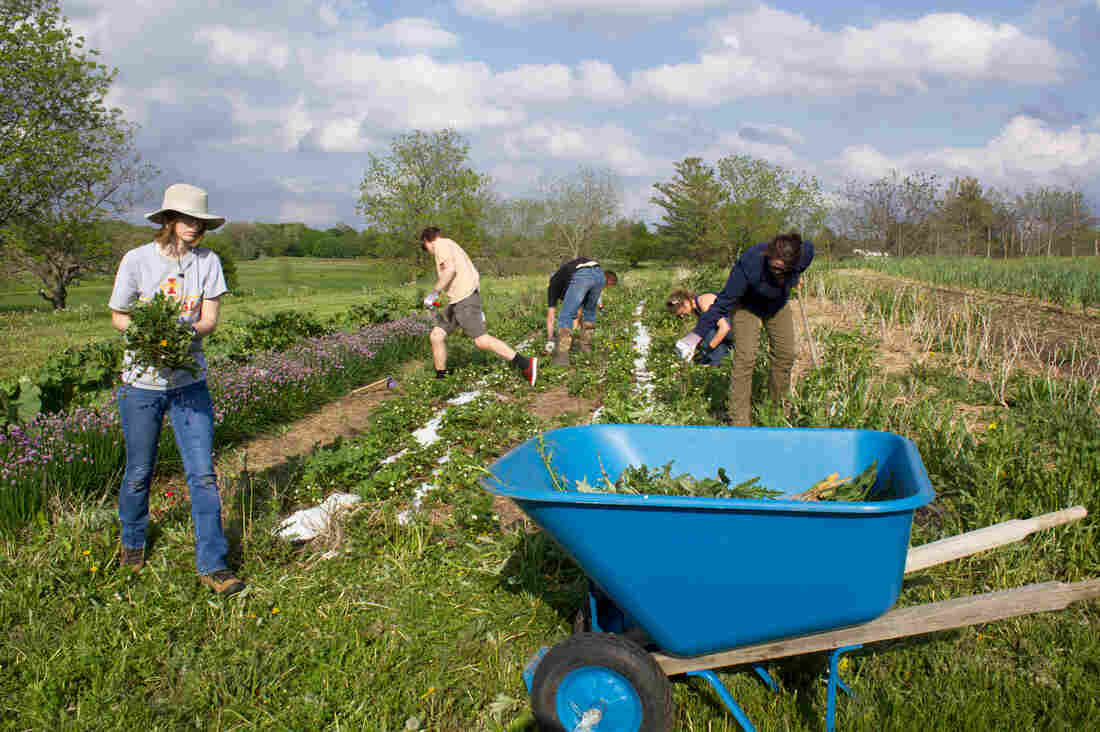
191,413
584,291
708,356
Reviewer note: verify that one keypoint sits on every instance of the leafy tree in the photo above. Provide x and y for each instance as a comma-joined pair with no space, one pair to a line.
425,181
765,199
692,202
634,242
66,160
967,211
224,251
579,207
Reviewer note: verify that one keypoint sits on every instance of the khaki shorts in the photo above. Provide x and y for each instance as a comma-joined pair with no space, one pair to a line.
465,314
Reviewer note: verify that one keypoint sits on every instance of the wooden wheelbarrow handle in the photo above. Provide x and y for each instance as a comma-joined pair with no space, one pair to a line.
915,620
979,540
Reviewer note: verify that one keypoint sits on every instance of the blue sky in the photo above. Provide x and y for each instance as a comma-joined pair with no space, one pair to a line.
273,107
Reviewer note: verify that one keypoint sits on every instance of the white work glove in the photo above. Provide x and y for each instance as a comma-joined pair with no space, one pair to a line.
686,345
549,347
432,300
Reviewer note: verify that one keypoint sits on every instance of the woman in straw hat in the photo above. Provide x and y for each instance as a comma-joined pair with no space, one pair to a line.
175,265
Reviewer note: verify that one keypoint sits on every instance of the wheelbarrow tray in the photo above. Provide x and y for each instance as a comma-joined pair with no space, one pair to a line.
701,575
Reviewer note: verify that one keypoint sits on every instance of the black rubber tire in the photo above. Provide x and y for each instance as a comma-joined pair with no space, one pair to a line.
611,652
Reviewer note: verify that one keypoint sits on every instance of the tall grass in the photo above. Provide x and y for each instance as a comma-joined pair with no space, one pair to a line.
1060,280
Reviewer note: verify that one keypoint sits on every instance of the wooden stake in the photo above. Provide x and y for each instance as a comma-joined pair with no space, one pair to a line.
806,327
373,386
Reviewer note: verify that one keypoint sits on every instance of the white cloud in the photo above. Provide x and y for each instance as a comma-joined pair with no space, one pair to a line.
599,82
547,8
733,143
244,48
606,145
328,16
535,83
407,91
411,33
311,212
342,135
592,80
769,51
1026,152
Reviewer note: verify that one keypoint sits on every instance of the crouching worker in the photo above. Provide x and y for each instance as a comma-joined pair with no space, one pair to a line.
578,284
757,292
719,340
460,281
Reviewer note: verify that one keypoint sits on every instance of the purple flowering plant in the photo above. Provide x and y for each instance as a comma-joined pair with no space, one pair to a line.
81,453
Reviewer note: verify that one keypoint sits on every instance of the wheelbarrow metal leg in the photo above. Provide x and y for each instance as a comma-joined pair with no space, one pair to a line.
724,695
765,676
834,682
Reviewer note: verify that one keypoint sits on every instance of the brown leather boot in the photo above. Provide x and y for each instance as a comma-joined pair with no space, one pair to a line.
133,558
223,582
587,331
561,348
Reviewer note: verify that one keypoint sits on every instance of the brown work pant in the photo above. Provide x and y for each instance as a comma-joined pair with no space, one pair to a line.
746,336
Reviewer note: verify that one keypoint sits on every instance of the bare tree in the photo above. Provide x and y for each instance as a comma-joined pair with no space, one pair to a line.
579,206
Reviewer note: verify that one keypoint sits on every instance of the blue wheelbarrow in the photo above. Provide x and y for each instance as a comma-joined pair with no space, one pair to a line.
684,585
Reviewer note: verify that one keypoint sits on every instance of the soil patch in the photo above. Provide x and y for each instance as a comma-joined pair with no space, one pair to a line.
554,403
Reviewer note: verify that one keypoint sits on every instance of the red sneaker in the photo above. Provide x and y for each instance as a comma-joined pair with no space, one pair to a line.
531,373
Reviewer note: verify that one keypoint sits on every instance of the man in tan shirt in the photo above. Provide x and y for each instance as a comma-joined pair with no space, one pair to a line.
457,277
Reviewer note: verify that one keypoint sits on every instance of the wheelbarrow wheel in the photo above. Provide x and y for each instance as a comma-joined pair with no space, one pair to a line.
599,681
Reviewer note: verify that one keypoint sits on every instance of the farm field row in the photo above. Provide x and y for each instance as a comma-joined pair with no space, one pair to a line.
1062,281
426,624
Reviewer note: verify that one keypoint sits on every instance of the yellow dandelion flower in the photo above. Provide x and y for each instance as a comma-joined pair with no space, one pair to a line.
87,552
95,569
431,690
274,611
164,342
992,426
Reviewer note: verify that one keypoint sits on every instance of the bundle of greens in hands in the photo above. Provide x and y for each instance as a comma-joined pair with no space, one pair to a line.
156,338
641,480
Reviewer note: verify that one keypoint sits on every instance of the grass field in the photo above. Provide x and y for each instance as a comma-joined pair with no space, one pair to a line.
31,330
427,624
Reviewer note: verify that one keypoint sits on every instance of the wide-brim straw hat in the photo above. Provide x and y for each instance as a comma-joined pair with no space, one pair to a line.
186,199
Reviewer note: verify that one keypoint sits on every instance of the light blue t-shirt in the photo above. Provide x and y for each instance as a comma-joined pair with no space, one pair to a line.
190,279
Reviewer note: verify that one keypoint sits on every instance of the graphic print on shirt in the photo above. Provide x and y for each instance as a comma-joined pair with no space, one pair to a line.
190,305
172,287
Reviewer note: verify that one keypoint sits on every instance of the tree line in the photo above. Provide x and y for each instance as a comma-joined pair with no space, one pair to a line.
921,214
69,173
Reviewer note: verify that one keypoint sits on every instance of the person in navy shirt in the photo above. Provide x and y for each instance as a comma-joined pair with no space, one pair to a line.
757,293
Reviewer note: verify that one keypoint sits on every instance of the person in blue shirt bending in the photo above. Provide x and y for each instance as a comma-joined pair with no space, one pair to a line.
757,293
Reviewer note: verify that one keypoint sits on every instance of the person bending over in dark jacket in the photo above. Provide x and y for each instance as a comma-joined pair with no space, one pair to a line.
757,292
